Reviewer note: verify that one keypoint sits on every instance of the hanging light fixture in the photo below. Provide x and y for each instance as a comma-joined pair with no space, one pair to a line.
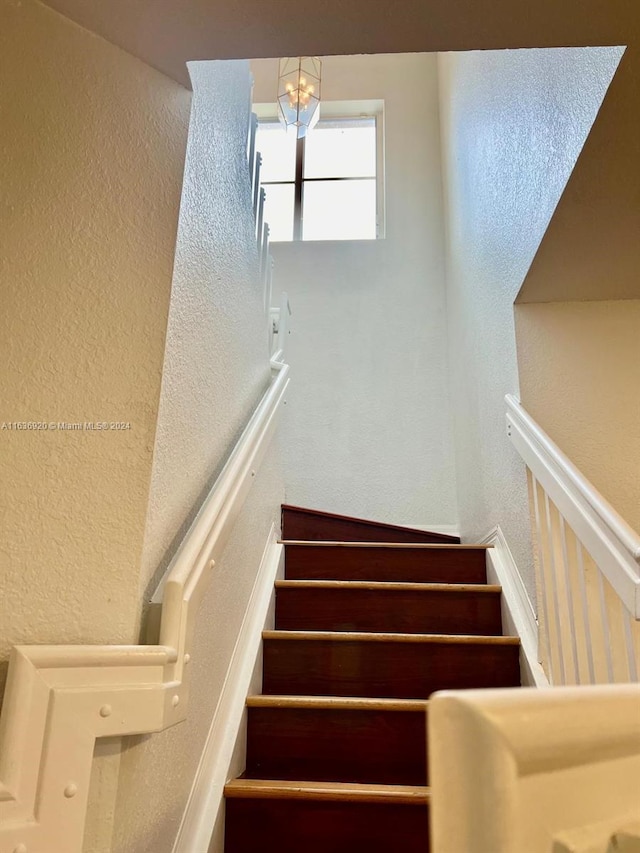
299,93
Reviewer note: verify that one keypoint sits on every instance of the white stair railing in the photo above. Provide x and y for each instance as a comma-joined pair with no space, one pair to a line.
554,769
588,566
277,316
251,147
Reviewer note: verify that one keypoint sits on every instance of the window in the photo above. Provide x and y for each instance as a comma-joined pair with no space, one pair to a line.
325,186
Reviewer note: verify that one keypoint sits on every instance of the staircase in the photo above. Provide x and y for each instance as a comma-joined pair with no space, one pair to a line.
370,620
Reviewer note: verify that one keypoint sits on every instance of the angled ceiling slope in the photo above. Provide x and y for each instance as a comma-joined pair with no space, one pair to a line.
168,33
591,249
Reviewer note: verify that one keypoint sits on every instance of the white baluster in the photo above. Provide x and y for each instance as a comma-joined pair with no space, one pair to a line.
256,184
251,155
264,256
543,580
569,590
606,634
554,586
585,612
631,652
260,217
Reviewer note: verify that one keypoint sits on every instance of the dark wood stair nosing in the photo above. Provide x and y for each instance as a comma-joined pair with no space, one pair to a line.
365,703
381,637
398,546
390,586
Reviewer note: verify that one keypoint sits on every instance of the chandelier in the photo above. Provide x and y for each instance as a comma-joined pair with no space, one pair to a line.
299,93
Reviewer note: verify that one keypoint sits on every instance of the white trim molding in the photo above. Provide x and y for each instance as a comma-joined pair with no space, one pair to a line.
205,802
518,615
59,699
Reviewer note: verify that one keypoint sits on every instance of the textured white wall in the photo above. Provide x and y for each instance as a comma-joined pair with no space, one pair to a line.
513,124
368,429
216,369
216,358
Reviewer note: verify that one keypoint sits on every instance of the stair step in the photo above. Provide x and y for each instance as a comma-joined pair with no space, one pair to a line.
370,621
301,523
356,740
371,637
426,563
337,702
380,607
401,666
292,816
399,546
341,791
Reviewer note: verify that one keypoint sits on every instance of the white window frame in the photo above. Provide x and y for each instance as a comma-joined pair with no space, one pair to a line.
337,110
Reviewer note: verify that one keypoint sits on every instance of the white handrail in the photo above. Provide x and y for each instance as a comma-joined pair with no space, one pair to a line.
612,543
616,523
209,532
538,764
52,713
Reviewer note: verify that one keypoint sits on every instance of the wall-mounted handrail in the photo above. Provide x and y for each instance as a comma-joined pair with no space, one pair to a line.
209,532
59,699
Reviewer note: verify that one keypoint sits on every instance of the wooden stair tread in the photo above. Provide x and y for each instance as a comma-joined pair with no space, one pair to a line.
336,703
338,791
365,631
437,546
389,586
370,637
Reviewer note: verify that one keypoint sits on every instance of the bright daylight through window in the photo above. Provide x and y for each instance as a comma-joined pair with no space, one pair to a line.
325,185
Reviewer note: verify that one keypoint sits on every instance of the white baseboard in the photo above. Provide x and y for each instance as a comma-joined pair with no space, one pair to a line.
205,801
518,615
